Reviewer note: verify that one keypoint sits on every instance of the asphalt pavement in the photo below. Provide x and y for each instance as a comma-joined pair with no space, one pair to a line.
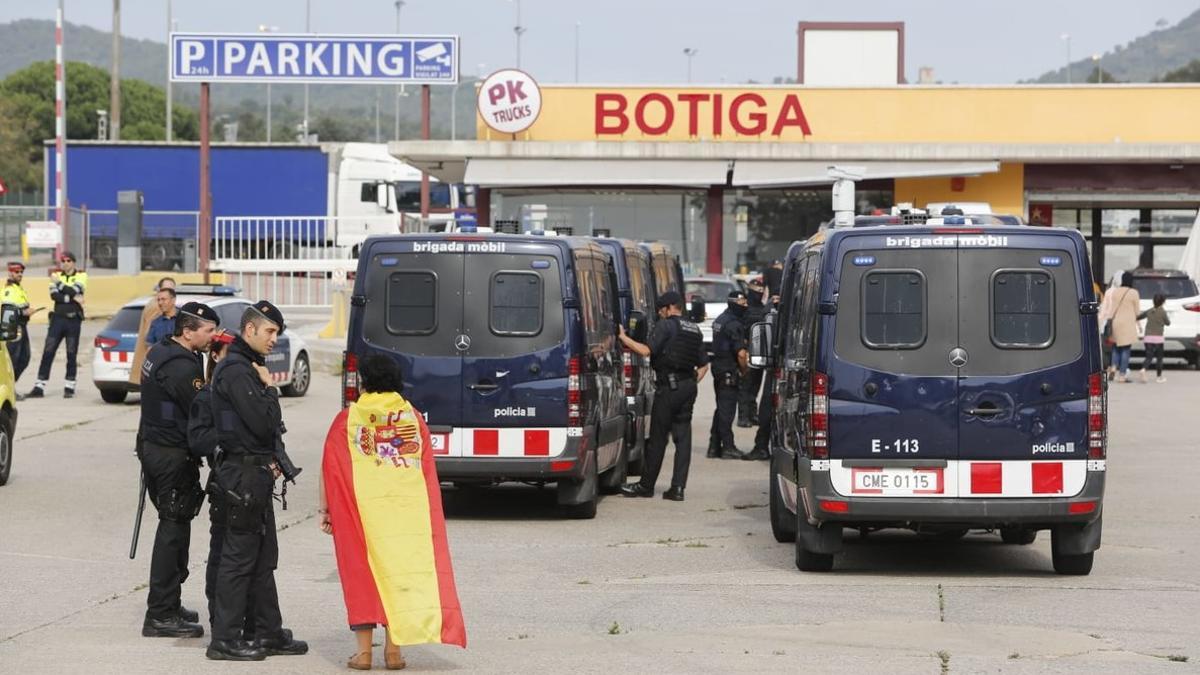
648,586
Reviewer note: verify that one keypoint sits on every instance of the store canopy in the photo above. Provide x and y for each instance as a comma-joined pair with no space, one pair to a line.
593,172
766,173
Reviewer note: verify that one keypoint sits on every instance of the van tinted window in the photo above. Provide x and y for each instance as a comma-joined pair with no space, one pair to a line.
893,306
1022,309
516,303
411,306
127,320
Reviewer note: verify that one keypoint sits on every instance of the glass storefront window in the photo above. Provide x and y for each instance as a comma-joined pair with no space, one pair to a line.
1120,257
1171,223
1167,257
1120,222
1076,219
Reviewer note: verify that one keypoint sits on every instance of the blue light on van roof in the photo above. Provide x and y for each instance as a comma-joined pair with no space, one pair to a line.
864,260
954,220
463,227
1051,261
540,264
388,262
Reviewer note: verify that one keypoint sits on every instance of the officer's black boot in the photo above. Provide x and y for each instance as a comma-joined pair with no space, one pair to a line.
172,627
282,645
714,449
234,650
732,453
189,615
757,454
36,392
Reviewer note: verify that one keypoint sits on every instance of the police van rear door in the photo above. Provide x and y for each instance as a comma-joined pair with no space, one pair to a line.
1023,390
414,311
515,364
892,390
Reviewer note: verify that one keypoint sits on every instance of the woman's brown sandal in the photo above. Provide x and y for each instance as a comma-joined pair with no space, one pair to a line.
360,661
394,660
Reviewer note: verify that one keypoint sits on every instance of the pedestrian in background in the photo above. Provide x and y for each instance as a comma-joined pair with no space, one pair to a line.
1121,303
381,500
150,312
14,294
67,286
164,326
1156,320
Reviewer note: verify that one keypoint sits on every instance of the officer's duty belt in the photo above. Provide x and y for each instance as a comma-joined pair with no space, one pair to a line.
250,459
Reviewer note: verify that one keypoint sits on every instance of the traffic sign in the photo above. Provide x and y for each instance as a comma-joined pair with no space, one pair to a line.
510,101
259,57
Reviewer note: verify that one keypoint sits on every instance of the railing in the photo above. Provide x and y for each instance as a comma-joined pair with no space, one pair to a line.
168,239
288,283
295,237
12,226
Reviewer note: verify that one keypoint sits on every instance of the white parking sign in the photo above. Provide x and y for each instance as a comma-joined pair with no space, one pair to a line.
509,101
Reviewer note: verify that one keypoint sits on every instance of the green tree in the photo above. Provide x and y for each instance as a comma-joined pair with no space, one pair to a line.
1188,73
18,169
1101,76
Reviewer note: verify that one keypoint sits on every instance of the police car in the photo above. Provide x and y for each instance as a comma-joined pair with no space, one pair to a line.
937,376
712,292
114,346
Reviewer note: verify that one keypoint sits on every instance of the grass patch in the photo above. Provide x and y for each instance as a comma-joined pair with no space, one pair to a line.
1014,655
1178,658
743,507
695,544
941,604
614,629
944,656
583,582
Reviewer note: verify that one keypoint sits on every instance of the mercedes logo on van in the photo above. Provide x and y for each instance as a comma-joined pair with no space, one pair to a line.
462,343
958,357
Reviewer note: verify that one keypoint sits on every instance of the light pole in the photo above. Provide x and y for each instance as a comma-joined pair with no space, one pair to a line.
689,52
576,52
263,28
1099,72
307,29
518,30
399,4
114,104
169,27
1066,37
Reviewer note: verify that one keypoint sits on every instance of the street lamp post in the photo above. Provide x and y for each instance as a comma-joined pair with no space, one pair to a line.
263,28
1099,72
169,125
1066,37
689,52
399,4
576,52
518,30
307,29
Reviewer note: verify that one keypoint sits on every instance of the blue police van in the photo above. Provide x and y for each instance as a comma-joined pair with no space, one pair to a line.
636,291
508,346
938,376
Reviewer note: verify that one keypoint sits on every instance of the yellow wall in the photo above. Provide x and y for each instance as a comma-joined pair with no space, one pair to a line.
106,294
908,114
1004,190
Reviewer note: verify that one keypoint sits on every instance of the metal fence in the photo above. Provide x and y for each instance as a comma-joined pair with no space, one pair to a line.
169,239
295,237
289,283
12,226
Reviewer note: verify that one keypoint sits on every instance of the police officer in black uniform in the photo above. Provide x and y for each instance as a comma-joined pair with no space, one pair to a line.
766,407
247,416
756,310
729,362
171,375
676,352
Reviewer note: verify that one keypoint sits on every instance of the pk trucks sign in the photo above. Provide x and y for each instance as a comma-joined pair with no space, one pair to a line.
509,101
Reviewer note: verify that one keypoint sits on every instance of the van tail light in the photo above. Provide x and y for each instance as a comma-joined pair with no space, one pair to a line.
818,416
1097,417
627,360
105,342
1192,306
574,397
349,378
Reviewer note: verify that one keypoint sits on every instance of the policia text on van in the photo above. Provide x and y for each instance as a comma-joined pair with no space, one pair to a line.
508,344
937,377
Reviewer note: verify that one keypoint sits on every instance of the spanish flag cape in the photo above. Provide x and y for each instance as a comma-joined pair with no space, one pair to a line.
389,533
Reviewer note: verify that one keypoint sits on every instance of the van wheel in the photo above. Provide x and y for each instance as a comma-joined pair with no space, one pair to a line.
807,561
611,480
1019,536
1073,564
585,510
5,446
113,395
783,522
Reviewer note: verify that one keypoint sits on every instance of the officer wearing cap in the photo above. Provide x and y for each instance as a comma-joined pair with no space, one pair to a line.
67,287
676,352
14,294
756,310
247,416
729,362
172,373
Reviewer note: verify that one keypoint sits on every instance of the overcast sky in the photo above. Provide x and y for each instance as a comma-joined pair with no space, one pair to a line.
638,41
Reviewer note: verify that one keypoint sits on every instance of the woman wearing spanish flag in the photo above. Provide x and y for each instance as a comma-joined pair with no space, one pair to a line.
381,501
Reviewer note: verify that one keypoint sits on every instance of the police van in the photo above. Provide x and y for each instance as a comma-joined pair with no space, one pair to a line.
937,376
636,291
668,273
507,344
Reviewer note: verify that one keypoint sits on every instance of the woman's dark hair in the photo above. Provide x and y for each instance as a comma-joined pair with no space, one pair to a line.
1127,279
1159,299
379,374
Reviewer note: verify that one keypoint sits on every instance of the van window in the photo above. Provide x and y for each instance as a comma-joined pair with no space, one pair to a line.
664,273
639,288
516,303
893,306
1022,309
411,306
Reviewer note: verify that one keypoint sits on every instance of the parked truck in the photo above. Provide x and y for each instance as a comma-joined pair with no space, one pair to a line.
332,194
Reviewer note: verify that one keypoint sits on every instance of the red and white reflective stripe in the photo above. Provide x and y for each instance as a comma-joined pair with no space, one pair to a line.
116,357
509,442
60,124
1003,479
